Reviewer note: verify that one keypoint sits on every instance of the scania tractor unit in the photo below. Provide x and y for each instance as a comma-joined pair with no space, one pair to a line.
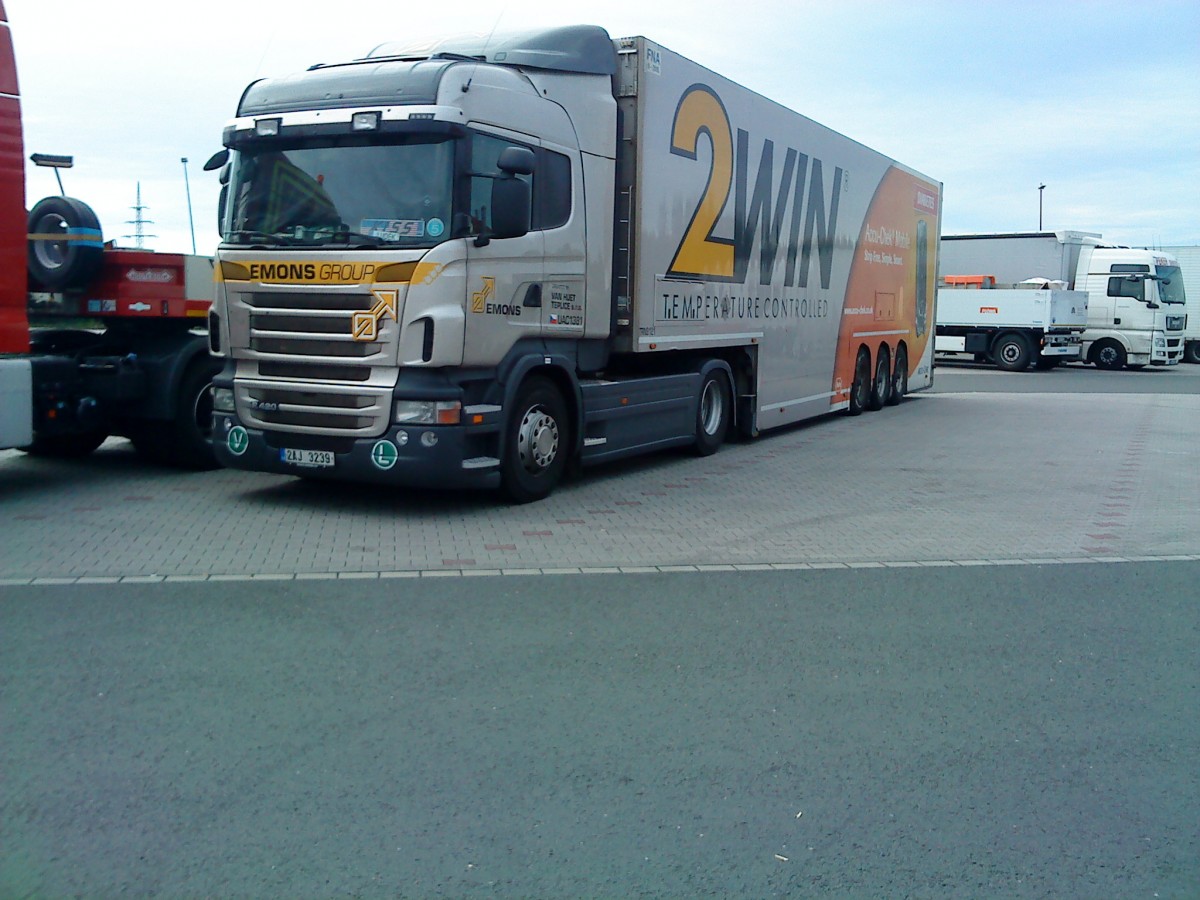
479,261
1136,303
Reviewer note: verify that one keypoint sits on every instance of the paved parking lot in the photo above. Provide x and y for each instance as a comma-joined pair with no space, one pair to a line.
957,475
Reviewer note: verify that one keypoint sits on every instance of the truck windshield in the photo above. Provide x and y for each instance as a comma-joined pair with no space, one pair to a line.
1173,292
342,191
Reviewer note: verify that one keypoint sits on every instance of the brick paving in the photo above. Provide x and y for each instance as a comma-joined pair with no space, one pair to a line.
945,479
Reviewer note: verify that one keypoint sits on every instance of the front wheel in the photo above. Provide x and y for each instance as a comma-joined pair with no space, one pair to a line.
1191,352
712,414
536,443
1108,354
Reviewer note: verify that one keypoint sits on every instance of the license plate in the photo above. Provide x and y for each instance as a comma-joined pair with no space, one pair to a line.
309,458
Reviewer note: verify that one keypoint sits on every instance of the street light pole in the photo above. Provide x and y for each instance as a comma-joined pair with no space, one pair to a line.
1041,187
188,188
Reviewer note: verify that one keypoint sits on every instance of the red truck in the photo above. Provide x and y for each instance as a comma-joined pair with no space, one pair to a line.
94,340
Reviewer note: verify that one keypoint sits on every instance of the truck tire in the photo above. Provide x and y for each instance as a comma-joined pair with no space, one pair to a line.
1191,352
1011,352
881,384
712,414
184,441
899,377
66,446
58,264
536,442
860,388
1107,354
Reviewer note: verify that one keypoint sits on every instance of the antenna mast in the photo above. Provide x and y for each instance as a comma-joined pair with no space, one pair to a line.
138,221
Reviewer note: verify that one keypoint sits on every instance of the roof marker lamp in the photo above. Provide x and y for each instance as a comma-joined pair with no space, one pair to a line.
364,121
266,127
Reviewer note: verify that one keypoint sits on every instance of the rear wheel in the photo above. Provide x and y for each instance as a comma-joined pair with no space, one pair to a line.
1011,352
899,377
186,440
537,442
712,414
881,384
66,446
860,390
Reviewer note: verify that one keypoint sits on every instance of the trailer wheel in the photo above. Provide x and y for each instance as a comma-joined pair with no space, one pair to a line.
881,384
186,440
1107,354
860,390
899,377
66,446
64,260
712,414
1191,352
537,442
1011,352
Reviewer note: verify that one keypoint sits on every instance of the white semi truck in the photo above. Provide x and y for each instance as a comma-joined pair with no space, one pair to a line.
1189,267
1136,308
470,264
1012,326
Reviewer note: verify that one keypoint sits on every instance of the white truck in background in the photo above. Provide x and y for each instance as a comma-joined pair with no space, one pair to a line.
1189,267
1034,322
1136,310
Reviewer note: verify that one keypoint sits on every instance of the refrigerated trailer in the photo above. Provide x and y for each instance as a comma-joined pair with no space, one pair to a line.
469,264
1135,296
94,341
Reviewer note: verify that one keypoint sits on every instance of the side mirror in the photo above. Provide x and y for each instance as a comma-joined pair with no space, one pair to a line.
516,161
217,160
511,205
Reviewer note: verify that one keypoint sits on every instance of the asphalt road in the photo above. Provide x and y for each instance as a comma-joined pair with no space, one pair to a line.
944,650
940,732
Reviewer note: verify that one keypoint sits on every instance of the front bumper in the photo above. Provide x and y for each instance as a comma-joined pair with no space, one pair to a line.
405,456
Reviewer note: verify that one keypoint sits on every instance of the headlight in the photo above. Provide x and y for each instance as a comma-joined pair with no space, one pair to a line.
222,399
428,412
1160,343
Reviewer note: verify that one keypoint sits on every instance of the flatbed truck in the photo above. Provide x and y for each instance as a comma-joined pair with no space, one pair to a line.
94,341
1013,326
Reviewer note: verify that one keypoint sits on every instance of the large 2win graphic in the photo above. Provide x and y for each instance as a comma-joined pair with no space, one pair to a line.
701,253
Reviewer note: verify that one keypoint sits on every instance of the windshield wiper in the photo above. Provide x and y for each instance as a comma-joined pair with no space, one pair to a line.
277,240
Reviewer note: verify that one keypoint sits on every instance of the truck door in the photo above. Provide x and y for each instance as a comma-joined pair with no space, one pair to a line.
505,276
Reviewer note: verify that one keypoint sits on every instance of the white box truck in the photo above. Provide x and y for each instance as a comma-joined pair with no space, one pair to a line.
1135,296
1189,267
472,263
1034,322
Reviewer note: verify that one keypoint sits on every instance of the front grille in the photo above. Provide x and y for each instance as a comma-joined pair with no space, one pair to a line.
1175,323
313,372
303,408
347,348
310,324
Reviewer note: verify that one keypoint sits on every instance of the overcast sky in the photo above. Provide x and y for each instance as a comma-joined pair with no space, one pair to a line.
1098,100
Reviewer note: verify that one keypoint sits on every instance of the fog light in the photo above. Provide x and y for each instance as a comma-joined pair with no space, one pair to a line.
429,439
401,438
267,127
222,400
364,121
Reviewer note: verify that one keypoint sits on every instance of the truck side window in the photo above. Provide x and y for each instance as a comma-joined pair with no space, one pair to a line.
1123,287
550,182
552,190
485,153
